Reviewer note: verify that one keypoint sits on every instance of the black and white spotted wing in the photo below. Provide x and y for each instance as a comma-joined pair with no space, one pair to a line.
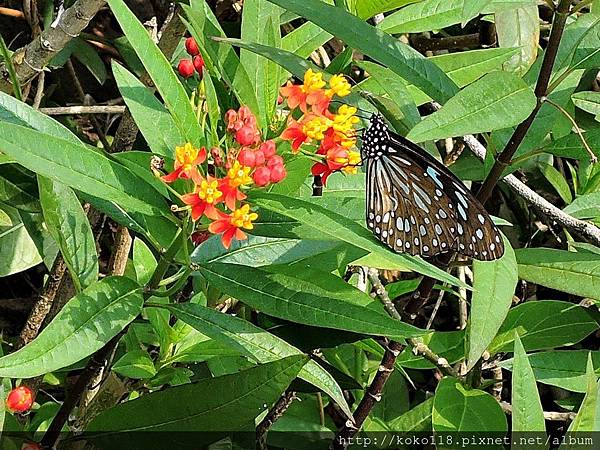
416,205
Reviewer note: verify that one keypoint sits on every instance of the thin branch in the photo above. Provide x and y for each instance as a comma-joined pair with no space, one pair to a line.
541,90
92,109
581,227
548,415
278,409
593,158
33,58
11,13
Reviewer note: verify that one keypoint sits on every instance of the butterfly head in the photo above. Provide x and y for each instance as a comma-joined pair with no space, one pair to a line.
375,138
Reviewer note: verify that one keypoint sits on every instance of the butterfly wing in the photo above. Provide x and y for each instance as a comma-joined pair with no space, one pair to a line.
429,210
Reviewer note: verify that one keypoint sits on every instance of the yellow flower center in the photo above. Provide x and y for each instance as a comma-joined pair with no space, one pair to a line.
315,128
312,81
239,175
186,155
353,162
243,218
209,191
338,85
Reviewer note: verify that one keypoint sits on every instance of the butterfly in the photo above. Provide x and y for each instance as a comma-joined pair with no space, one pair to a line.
416,205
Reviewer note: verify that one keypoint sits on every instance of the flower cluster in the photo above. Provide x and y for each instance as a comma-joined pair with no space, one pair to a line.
333,131
217,197
186,67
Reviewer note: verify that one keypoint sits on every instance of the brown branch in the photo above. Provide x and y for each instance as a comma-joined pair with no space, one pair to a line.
33,58
91,109
541,91
278,409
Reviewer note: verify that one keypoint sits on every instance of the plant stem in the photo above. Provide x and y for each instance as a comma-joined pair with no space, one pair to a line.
541,91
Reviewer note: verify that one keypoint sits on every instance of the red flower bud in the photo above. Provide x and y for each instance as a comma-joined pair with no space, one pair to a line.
275,160
245,136
19,399
278,173
247,157
259,158
185,68
262,176
268,148
198,237
199,64
191,47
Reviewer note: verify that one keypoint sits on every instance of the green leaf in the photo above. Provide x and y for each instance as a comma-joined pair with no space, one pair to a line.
325,302
220,59
383,48
416,420
564,369
497,100
143,261
458,409
394,401
519,27
571,146
228,403
587,53
260,24
79,167
366,9
150,115
527,413
575,273
135,364
89,57
161,73
586,206
472,8
68,224
493,288
393,87
252,341
589,101
87,322
257,251
588,416
557,180
544,324
17,189
424,16
18,251
315,220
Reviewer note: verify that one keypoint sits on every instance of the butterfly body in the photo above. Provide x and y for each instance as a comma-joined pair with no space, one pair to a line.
416,205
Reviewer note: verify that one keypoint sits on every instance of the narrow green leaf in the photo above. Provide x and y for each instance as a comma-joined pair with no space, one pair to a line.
519,27
588,416
589,101
221,59
587,53
398,57
329,225
257,343
558,182
416,420
575,273
527,413
18,189
544,324
87,322
150,115
143,261
424,16
493,288
136,364
497,100
366,9
229,403
322,302
571,146
472,8
586,206
161,73
457,409
79,167
18,251
565,369
68,224
258,251
260,24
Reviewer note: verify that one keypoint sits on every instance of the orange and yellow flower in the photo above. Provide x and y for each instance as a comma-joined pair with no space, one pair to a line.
230,225
187,158
204,198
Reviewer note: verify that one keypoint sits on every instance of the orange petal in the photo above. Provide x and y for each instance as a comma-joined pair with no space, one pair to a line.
169,178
